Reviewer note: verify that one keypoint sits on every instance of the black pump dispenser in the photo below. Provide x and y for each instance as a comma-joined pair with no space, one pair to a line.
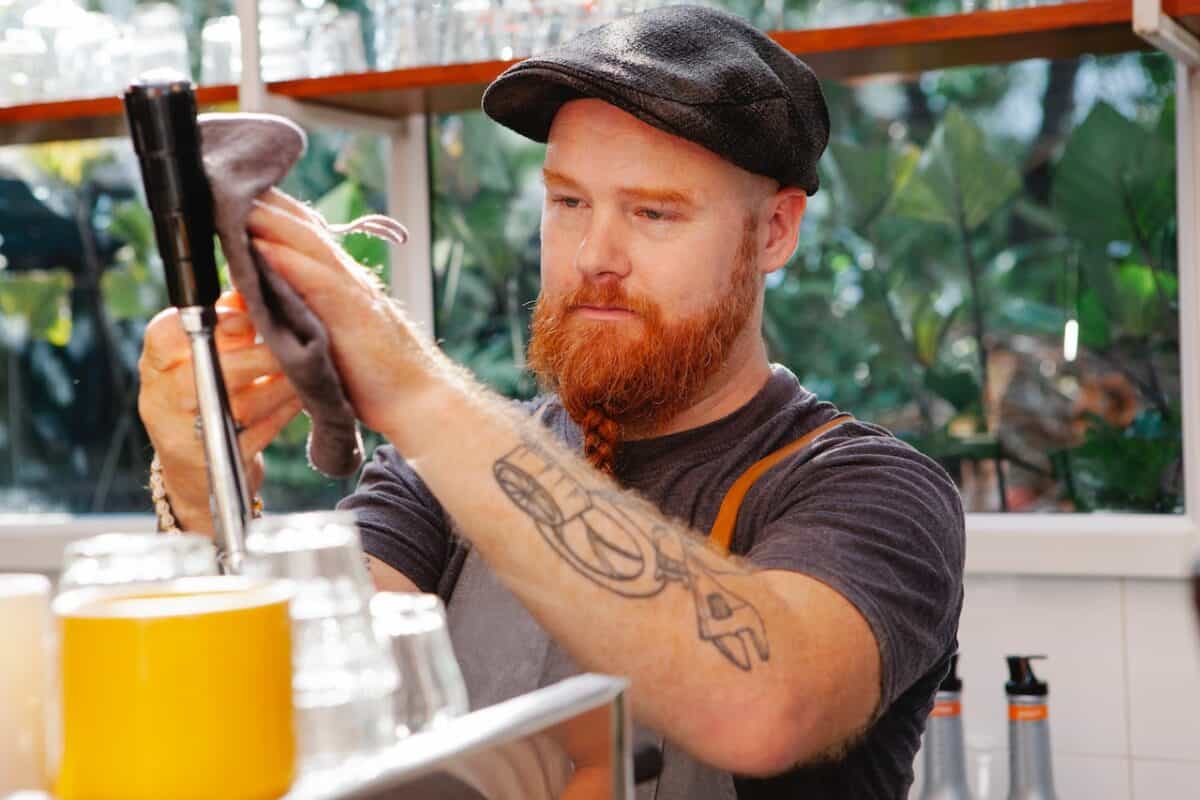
952,683
1022,681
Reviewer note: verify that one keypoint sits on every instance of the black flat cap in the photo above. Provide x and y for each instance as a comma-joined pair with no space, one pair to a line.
698,73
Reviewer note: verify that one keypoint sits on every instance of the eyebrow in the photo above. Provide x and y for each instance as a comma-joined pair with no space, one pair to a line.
648,194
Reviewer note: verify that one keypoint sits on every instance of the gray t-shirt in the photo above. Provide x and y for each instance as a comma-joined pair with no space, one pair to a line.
859,510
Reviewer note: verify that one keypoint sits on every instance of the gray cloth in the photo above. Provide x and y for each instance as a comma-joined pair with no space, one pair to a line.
698,73
859,510
244,156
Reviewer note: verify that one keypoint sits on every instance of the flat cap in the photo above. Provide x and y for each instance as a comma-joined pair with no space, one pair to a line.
698,73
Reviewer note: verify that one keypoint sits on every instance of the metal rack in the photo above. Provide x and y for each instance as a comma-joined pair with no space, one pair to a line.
454,761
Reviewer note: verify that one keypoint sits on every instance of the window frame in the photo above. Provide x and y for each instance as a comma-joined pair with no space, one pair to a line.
1093,545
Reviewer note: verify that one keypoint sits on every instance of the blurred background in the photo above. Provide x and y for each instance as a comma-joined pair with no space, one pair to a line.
989,269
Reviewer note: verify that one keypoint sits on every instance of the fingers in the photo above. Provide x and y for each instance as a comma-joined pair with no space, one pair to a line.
285,202
260,399
240,368
273,231
255,438
166,344
329,292
281,226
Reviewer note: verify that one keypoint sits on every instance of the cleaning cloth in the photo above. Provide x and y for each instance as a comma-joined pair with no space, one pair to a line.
244,156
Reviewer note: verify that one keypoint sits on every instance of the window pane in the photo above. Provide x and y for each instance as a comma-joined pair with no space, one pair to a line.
1008,227
79,281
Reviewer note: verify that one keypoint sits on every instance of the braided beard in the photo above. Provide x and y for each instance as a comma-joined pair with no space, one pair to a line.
611,379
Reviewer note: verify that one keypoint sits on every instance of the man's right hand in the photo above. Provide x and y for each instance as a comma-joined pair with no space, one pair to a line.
263,401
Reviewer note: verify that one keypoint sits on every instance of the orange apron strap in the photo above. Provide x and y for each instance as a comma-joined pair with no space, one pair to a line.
722,529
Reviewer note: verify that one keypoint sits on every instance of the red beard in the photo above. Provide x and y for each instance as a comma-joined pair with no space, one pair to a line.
613,378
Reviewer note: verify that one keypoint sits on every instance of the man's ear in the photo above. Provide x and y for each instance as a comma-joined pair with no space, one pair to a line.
787,208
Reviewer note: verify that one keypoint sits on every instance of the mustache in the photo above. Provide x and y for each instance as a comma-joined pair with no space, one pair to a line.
605,295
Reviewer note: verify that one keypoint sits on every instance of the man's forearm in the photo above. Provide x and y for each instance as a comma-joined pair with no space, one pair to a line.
621,587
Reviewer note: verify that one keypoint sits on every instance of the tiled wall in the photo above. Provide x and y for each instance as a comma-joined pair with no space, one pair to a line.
1124,674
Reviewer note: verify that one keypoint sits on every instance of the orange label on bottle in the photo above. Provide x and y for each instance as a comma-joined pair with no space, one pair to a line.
947,708
1027,713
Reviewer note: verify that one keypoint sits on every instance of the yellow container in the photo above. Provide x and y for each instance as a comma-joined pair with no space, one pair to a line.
179,690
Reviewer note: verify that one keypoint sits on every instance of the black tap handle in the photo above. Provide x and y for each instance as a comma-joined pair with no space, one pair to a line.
161,111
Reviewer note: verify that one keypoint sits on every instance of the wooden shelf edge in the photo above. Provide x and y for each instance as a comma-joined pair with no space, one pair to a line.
961,27
892,46
412,78
886,47
98,106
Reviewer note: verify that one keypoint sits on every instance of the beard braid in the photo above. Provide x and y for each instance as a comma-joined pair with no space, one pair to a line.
610,380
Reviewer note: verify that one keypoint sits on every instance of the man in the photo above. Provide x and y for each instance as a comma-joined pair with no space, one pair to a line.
681,148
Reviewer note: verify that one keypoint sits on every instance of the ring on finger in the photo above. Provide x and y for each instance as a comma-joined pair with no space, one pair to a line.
198,427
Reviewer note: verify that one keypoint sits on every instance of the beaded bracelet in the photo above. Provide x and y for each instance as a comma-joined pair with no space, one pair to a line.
162,506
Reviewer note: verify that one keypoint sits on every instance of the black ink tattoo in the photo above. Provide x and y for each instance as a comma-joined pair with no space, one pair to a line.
607,541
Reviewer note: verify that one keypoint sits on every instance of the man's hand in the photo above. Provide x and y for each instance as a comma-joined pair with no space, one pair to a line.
378,353
261,398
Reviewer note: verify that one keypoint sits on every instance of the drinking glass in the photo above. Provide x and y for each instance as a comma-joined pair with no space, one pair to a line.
335,44
431,689
159,41
89,65
113,558
221,50
283,28
48,18
22,65
343,674
469,35
24,662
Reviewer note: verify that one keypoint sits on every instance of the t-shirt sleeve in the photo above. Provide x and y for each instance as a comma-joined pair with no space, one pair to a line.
402,523
881,524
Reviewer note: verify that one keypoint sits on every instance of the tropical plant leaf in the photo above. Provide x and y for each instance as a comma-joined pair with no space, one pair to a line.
1115,181
128,296
957,387
1029,316
958,182
929,331
871,177
1094,330
1144,297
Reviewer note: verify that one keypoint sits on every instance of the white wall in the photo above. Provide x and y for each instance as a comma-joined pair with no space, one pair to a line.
1124,674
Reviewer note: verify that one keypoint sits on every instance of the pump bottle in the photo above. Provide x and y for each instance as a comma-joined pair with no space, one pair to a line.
945,754
1030,772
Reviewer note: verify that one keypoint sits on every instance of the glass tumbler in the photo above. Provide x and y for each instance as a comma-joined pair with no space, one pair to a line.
113,558
431,689
343,675
221,50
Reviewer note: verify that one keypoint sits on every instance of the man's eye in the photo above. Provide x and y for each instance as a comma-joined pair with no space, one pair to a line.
568,202
653,214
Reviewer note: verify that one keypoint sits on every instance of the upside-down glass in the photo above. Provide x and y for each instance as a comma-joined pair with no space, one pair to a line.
431,689
24,662
343,673
113,558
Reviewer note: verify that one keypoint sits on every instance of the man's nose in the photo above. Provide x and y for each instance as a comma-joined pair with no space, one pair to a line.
602,254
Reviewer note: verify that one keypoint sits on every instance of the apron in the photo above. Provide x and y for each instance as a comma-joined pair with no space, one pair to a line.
504,653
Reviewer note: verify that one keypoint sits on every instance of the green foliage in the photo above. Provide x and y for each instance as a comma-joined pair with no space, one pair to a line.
959,183
36,305
1126,469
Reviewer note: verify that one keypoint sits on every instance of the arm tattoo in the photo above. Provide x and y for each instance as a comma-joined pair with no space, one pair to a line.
605,538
